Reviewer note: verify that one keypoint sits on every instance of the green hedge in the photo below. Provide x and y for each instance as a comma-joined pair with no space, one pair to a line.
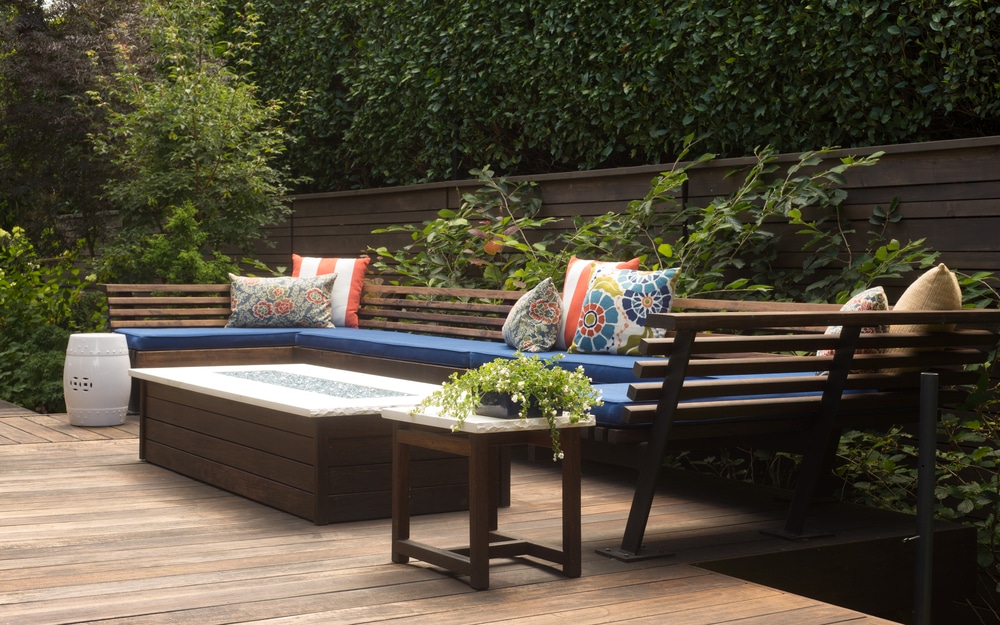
406,91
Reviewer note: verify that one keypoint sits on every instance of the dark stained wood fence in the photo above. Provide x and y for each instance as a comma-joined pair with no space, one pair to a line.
949,192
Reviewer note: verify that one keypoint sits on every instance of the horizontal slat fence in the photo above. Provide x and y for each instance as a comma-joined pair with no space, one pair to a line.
949,192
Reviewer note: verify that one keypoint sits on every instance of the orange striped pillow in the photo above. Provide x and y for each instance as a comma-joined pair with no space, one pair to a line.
578,275
345,298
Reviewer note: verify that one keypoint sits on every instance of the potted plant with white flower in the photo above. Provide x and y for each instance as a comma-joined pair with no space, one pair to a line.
534,388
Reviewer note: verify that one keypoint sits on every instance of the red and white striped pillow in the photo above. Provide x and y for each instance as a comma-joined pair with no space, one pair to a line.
578,275
345,298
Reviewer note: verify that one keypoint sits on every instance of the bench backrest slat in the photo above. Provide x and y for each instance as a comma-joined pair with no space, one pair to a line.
170,323
460,312
884,379
167,305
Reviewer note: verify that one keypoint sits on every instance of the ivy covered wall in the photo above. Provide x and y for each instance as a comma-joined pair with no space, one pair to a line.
404,91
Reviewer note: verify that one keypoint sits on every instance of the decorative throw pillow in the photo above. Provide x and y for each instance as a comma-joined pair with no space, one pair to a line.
937,289
346,297
578,276
533,322
281,302
869,299
613,316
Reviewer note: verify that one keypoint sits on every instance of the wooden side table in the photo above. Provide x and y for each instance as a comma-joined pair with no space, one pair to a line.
480,440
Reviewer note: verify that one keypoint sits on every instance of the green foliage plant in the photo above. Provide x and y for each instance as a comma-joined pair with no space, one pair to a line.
404,91
42,301
188,130
493,240
51,54
880,469
531,383
298,58
727,248
175,256
639,231
848,271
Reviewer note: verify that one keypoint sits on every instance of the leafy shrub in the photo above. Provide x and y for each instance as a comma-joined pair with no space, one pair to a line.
43,302
405,92
36,380
187,131
491,241
177,255
880,469
727,248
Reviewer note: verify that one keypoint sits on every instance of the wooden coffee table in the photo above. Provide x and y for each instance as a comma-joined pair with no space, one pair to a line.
305,439
481,439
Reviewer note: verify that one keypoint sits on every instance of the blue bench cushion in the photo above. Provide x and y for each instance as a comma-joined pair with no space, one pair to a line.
601,368
611,373
615,397
419,348
158,339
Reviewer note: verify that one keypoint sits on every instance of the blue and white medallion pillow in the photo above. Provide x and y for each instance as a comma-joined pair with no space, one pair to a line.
281,302
613,318
532,325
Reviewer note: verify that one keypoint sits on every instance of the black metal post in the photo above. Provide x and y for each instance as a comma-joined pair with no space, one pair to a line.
927,445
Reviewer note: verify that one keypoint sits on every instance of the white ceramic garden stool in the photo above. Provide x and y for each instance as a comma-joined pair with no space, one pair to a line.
96,383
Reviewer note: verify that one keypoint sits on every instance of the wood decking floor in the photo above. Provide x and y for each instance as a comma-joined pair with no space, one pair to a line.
91,534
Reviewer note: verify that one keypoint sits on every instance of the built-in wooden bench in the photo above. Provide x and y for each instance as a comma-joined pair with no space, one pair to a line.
467,313
802,407
789,398
453,312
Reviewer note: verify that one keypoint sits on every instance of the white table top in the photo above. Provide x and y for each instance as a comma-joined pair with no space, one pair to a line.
213,381
477,424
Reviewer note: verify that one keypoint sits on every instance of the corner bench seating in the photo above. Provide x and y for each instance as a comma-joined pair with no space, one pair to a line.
748,374
444,330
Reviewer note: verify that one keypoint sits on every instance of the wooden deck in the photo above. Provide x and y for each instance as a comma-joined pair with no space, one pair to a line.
90,534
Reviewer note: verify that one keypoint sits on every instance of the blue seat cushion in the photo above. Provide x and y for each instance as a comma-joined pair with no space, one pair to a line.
159,339
600,368
418,348
615,397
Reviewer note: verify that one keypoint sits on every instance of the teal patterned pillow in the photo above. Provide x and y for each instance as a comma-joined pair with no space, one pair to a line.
533,322
614,312
281,302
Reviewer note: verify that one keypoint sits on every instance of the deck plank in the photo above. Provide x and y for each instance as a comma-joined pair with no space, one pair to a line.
89,533
42,432
9,429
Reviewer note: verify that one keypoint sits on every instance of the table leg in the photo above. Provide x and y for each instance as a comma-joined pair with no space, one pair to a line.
495,487
572,530
479,513
400,494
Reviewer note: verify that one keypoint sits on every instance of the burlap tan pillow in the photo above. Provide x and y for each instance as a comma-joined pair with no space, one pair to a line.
937,289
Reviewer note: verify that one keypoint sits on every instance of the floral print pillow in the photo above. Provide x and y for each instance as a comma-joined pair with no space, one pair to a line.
869,299
281,302
613,317
533,322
